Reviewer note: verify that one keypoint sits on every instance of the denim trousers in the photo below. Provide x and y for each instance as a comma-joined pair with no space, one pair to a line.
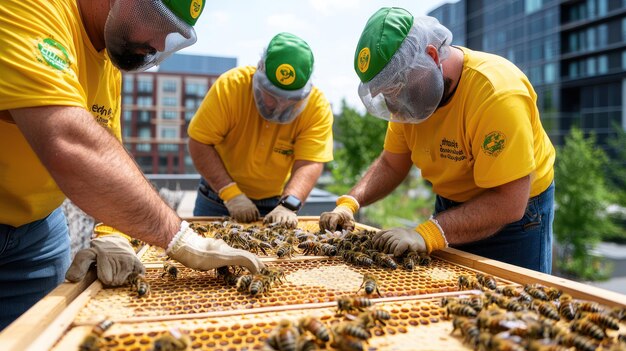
33,260
208,203
526,243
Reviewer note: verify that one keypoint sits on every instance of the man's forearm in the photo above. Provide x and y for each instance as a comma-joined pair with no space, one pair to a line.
486,214
381,178
209,164
94,170
304,176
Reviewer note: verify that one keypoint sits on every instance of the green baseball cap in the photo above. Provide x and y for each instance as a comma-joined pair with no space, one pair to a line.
186,10
382,36
288,61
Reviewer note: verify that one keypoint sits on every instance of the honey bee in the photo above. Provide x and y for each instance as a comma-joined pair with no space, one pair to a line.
368,319
384,260
536,291
468,329
362,259
275,275
140,284
260,284
500,342
285,250
410,260
506,303
347,343
580,342
546,309
309,247
243,282
619,313
284,337
304,343
588,306
92,340
315,326
603,320
350,304
567,307
173,341
467,282
460,310
508,291
544,345
486,281
553,293
585,327
170,270
370,283
350,329
254,245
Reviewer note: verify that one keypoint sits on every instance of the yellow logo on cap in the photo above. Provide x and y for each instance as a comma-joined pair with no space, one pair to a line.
285,74
195,8
364,59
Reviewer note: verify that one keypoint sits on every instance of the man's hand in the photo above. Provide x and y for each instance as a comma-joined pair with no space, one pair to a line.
114,257
282,215
339,218
242,209
398,240
204,254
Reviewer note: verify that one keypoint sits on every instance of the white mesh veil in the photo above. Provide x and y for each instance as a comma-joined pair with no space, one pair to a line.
141,33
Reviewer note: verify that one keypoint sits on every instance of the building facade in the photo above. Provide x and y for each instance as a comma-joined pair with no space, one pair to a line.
573,52
157,107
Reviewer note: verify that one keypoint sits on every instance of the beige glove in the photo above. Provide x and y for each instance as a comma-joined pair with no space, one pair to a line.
282,215
342,217
197,252
242,209
426,237
114,257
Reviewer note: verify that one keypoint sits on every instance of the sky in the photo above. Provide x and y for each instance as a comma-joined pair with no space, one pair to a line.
243,28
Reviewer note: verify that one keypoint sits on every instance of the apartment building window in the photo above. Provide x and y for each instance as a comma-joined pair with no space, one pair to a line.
624,60
549,73
127,100
144,116
128,83
170,86
145,134
169,101
196,89
144,85
171,115
169,133
591,66
128,115
603,64
532,6
144,101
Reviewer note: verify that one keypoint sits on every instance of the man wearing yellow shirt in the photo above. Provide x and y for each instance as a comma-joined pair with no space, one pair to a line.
261,136
468,120
60,126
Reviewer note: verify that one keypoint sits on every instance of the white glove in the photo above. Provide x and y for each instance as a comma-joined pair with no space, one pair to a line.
196,252
282,215
114,257
399,240
242,209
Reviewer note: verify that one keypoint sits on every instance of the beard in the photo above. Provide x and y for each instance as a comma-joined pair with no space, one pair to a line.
447,94
131,56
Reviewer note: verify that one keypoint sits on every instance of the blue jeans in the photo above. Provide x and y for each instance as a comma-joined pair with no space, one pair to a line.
526,243
33,260
208,203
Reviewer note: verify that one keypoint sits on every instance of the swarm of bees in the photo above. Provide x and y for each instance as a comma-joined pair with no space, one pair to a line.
91,342
260,283
532,317
309,333
354,247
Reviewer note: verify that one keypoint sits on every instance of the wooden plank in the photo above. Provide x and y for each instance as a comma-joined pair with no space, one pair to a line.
527,276
33,322
60,325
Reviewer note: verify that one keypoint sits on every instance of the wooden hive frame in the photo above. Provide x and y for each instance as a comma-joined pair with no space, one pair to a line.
54,314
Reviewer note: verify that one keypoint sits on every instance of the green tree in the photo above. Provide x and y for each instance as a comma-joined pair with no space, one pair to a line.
616,177
581,197
359,140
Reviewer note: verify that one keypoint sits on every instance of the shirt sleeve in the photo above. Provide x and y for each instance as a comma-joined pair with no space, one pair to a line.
503,141
395,140
210,124
38,58
315,141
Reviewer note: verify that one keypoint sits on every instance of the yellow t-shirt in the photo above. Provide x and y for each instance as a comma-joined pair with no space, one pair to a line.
47,59
257,154
487,135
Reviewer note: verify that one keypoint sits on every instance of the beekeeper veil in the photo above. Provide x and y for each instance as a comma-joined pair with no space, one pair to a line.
140,34
400,82
282,83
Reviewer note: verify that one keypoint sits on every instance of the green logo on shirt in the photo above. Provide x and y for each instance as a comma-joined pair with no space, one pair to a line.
54,54
494,143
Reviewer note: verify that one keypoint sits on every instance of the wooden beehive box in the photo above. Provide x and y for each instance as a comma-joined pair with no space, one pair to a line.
216,316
